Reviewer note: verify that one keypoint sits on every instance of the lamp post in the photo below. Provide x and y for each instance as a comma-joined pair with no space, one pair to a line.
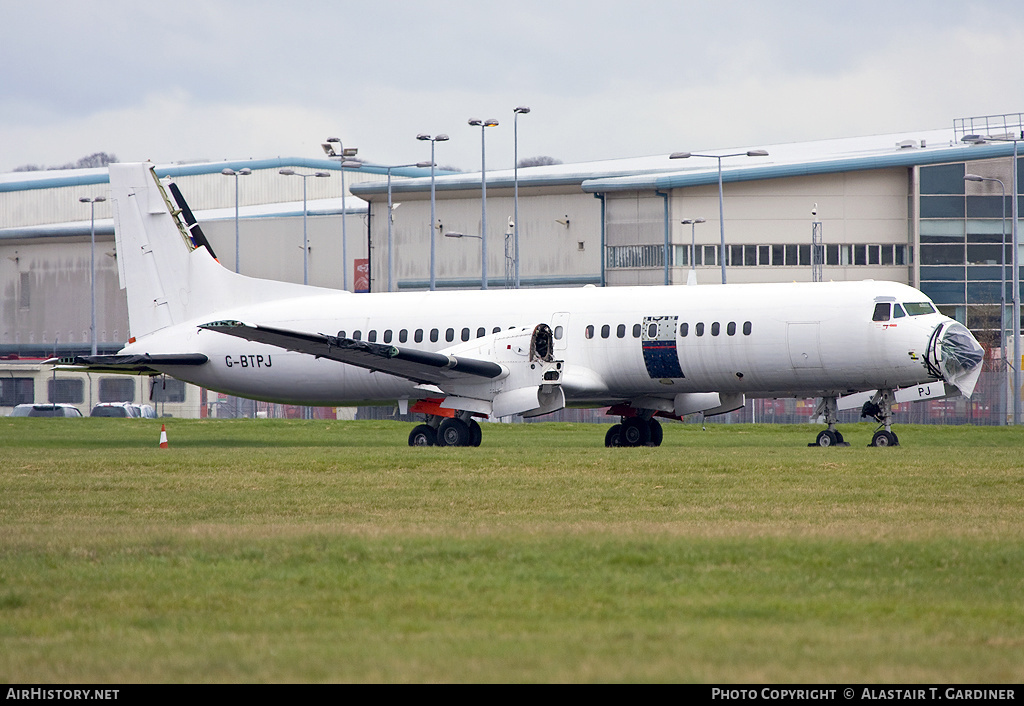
453,234
92,264
516,112
342,153
1002,288
691,277
305,212
721,216
433,217
484,124
976,139
391,242
241,172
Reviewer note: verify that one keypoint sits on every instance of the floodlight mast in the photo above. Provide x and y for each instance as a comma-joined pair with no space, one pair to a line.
433,215
721,216
343,154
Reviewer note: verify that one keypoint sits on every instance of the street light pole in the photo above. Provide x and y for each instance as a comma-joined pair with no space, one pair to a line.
305,213
691,278
484,124
241,172
721,208
342,154
521,110
1002,288
391,241
977,139
433,216
92,264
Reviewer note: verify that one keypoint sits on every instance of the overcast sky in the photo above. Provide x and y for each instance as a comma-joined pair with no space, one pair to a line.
216,79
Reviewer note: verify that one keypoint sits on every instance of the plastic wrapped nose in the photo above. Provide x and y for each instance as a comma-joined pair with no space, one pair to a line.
960,358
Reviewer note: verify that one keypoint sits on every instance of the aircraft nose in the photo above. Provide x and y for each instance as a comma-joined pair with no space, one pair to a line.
956,356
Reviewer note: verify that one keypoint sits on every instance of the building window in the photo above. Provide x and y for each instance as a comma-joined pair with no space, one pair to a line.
15,391
165,389
117,390
65,391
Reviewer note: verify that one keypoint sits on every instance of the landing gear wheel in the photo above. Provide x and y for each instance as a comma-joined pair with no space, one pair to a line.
827,438
614,436
657,433
423,435
635,432
476,434
884,438
453,432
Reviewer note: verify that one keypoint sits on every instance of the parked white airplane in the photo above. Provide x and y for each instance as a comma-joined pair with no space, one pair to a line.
643,351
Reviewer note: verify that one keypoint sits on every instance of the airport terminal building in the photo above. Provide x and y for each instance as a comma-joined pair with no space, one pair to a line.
903,207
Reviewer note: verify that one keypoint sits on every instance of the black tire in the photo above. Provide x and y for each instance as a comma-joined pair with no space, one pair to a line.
884,438
827,438
423,435
453,432
635,432
476,434
614,436
657,433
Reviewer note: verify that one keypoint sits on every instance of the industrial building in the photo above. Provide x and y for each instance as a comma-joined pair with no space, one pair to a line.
894,207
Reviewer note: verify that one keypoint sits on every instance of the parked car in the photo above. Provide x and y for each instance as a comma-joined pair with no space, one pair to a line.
114,409
46,410
145,411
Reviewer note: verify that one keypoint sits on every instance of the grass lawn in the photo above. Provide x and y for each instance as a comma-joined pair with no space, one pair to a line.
306,551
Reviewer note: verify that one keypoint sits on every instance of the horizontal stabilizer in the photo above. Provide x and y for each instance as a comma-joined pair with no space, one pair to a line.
128,364
409,363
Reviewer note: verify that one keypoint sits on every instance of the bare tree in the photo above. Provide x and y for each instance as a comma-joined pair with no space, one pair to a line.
538,161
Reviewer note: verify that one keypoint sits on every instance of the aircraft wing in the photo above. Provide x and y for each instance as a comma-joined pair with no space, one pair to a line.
127,364
423,367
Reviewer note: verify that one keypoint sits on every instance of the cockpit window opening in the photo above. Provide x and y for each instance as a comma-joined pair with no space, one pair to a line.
919,308
882,311
897,311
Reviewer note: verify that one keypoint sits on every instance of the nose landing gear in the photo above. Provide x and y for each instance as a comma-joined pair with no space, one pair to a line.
880,409
829,409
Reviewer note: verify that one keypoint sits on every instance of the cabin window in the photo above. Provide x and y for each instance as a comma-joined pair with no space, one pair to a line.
357,335
403,336
372,336
652,331
433,335
699,329
636,330
481,332
418,336
731,328
897,311
341,334
465,334
496,329
589,331
387,336
684,328
449,335
747,327
558,333
605,331
621,331
882,310
715,328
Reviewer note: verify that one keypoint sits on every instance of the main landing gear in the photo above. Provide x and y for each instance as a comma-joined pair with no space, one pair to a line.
461,430
635,431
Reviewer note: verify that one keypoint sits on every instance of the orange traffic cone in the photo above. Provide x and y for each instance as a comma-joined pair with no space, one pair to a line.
163,436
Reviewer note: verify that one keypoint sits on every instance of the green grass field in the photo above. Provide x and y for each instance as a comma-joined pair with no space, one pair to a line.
307,551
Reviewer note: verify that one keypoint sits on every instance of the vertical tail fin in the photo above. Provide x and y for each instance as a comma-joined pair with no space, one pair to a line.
153,248
165,261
